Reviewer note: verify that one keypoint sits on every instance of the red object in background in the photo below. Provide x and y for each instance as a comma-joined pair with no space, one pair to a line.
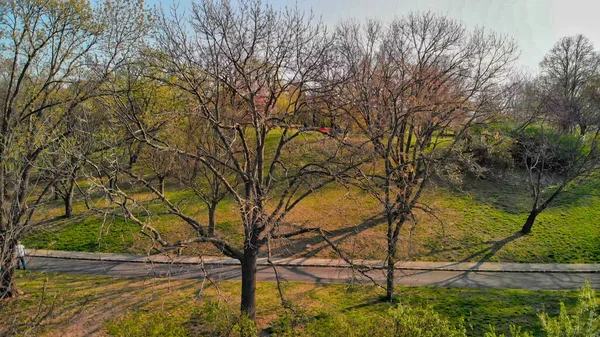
325,130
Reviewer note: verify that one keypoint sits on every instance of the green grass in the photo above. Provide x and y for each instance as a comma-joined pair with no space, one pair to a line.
481,222
478,223
87,234
103,301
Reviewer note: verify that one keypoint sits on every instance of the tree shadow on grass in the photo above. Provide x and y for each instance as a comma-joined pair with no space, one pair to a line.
485,254
505,193
511,193
488,249
57,222
82,306
310,245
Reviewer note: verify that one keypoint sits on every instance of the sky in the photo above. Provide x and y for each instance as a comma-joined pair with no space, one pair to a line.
534,24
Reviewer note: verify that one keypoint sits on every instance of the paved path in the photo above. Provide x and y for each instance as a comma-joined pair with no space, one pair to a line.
463,275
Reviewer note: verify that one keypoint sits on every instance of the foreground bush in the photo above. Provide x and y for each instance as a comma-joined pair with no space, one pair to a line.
583,323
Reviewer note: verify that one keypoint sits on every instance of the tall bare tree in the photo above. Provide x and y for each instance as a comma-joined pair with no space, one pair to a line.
235,62
206,184
554,156
406,87
54,56
566,69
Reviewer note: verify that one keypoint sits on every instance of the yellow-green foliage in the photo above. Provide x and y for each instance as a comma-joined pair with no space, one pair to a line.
583,323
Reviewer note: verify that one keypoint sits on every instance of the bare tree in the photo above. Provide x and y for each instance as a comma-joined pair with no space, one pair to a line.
206,184
65,179
66,158
553,156
54,55
234,63
162,164
566,69
407,87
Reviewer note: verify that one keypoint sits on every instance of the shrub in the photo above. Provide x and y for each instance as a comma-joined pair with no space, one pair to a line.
559,148
583,323
490,148
480,152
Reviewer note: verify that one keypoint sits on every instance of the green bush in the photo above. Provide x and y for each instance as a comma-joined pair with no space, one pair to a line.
583,323
138,324
480,152
489,147
559,148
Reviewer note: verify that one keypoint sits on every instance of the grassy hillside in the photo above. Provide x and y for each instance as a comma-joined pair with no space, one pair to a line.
87,305
477,221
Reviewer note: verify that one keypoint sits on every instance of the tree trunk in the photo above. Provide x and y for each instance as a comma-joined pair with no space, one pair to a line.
530,220
212,221
7,271
249,281
161,183
112,182
391,258
583,129
391,263
7,274
55,194
69,201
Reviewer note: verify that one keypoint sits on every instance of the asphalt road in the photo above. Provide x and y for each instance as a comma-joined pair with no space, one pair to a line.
468,279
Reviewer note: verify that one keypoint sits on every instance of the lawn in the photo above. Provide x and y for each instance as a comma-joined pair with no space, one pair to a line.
476,221
76,304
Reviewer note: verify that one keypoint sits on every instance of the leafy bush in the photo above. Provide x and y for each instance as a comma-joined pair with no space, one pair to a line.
489,147
558,148
480,151
138,324
583,323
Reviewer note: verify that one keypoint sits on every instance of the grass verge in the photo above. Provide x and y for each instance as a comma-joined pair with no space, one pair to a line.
87,305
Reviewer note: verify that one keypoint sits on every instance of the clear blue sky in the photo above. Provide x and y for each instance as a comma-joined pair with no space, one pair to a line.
534,24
